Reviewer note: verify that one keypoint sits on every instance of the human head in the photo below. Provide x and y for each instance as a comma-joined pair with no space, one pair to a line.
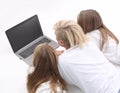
89,20
44,58
69,33
45,68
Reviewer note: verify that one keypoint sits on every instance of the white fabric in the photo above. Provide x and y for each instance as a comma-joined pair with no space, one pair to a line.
89,70
45,88
110,49
119,51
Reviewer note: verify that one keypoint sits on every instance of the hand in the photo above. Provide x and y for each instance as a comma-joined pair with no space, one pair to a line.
59,52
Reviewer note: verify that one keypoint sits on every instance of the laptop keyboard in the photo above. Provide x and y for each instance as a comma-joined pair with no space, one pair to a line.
30,50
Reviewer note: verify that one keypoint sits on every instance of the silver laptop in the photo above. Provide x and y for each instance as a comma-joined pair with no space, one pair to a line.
25,36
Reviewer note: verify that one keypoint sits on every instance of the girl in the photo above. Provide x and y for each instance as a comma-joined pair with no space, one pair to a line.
45,77
106,41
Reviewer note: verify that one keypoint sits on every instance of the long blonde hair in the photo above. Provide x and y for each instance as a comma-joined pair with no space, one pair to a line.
45,64
69,32
91,20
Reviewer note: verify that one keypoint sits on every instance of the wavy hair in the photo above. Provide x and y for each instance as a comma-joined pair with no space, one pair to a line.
45,69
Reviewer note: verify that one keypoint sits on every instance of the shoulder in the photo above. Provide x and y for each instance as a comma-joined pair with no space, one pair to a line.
95,34
68,55
45,88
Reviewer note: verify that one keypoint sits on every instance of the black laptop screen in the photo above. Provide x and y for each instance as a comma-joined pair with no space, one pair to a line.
24,33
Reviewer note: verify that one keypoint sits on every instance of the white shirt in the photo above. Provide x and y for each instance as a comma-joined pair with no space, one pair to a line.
110,49
89,70
45,88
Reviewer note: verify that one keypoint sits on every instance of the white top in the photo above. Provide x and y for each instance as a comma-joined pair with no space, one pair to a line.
45,88
110,49
89,70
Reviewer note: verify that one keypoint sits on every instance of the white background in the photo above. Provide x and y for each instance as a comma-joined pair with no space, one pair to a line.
12,70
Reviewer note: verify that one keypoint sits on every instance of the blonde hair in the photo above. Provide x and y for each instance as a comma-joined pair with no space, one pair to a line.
70,33
45,69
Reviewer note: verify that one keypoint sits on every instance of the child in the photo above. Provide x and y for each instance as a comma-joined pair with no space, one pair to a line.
44,76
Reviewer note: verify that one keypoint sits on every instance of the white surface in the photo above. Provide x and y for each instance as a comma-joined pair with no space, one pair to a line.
12,70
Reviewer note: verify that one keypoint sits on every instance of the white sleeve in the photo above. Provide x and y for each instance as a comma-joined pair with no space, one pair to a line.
70,76
110,50
119,51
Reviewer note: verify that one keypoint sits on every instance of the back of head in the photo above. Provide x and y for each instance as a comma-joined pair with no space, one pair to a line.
70,33
89,20
44,57
45,68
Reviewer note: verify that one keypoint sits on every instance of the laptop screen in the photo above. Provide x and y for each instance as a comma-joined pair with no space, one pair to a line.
24,33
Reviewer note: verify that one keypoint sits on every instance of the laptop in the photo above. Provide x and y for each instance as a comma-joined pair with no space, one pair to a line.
25,36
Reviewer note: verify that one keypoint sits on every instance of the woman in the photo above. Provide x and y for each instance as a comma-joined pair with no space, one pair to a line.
82,64
107,42
44,76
